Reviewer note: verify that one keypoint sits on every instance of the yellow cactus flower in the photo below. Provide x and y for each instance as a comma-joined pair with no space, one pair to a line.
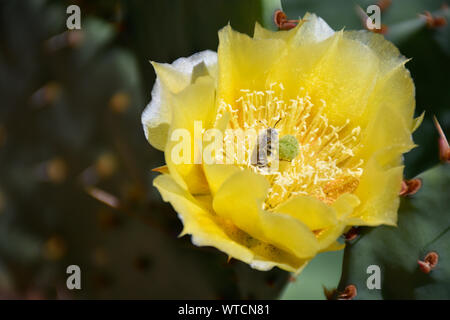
345,97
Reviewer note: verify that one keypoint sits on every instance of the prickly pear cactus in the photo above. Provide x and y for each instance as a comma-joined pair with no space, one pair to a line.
401,252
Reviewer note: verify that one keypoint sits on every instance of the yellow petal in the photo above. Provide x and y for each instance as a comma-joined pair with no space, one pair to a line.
298,65
195,103
240,200
378,191
345,205
391,124
311,211
289,234
263,33
418,121
209,230
217,174
335,82
388,55
178,75
335,246
327,237
310,29
244,62
156,117
325,72
171,78
197,220
398,92
313,29
390,107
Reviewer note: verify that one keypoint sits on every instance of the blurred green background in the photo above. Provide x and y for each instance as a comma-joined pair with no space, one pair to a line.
71,135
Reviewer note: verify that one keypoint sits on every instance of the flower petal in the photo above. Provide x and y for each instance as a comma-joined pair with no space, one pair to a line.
262,33
378,191
388,137
217,174
311,211
244,62
310,29
171,78
197,220
240,200
209,230
327,237
335,82
289,234
390,107
388,54
195,103
314,29
345,204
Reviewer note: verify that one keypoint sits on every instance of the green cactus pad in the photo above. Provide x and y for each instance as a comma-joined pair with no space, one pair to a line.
423,226
289,147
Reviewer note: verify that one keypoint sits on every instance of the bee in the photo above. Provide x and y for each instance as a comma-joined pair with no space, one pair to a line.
269,144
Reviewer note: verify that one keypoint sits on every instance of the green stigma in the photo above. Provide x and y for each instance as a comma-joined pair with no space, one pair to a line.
289,147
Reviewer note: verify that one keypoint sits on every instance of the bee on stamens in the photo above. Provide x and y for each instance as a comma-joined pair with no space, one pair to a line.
267,142
270,145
